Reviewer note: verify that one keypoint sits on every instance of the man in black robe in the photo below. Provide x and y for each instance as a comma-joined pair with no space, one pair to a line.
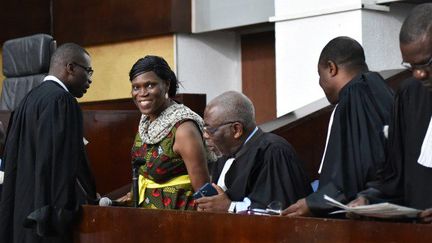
47,175
256,168
408,169
355,146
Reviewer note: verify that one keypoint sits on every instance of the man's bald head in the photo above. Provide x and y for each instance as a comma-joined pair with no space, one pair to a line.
344,52
416,43
66,53
235,106
417,25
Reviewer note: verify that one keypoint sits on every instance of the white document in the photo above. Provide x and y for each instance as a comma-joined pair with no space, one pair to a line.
380,210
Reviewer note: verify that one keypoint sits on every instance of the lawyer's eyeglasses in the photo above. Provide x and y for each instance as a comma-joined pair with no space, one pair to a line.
273,208
89,70
211,130
411,67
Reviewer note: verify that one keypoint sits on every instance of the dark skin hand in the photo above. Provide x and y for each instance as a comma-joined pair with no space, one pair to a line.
360,201
218,203
300,208
426,216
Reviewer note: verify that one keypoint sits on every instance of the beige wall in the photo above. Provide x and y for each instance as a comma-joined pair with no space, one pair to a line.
112,64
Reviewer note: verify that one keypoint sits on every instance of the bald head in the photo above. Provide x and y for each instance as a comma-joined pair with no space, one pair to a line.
417,25
344,52
66,53
416,43
235,106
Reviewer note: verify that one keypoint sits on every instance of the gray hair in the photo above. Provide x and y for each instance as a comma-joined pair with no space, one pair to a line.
236,107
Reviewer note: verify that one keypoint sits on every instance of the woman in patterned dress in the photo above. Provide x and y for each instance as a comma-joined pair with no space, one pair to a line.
169,139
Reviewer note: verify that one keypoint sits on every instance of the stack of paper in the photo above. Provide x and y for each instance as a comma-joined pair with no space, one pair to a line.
380,210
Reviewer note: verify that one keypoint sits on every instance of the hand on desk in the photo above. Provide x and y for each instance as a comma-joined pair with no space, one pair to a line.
218,203
126,198
359,201
300,208
426,216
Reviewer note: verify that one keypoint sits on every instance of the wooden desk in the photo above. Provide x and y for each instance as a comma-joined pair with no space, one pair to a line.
116,224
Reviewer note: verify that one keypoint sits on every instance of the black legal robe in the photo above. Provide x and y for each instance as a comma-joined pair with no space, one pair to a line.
47,176
265,169
356,146
403,180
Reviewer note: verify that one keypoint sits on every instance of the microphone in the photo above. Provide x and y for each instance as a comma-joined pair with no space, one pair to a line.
104,202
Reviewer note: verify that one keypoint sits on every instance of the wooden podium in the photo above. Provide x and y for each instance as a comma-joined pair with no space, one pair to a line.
118,224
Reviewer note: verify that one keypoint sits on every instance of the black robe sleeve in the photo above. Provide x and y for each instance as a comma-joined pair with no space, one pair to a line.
44,158
281,178
403,180
266,169
59,163
356,146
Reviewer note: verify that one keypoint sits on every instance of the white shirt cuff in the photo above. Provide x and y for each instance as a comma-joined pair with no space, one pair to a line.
239,206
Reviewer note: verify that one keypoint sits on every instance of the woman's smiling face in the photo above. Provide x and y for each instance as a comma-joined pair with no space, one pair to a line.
148,93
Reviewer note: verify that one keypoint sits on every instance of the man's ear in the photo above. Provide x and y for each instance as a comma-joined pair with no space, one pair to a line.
238,129
333,68
70,68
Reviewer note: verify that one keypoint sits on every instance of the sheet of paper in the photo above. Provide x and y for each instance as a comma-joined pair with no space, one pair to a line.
380,210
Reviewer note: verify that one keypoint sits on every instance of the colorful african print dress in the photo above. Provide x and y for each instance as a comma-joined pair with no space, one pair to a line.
163,182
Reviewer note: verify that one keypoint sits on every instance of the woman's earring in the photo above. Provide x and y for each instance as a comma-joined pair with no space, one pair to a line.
166,95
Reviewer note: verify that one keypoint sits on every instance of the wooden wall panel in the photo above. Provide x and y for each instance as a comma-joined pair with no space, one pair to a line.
259,73
91,22
110,135
99,21
20,18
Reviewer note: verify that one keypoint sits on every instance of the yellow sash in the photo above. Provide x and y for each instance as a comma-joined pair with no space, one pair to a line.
144,183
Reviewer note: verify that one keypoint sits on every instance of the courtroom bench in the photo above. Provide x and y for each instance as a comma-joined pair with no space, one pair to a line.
121,224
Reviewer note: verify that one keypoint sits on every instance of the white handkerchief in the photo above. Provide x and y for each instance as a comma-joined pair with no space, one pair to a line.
425,157
85,141
385,131
221,181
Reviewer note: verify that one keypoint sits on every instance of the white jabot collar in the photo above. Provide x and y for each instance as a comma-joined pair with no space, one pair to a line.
425,157
55,79
327,140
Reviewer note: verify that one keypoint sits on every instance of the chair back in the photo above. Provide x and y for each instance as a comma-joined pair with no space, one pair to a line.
26,62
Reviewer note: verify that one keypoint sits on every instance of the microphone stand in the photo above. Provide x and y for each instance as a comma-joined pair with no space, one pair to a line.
136,164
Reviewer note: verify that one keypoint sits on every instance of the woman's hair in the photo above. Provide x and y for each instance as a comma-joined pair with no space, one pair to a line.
160,67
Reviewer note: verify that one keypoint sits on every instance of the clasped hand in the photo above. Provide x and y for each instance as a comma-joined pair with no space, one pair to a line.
217,203
300,208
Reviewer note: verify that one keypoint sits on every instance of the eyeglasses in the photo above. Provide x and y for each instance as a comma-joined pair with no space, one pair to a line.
89,70
417,66
211,130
